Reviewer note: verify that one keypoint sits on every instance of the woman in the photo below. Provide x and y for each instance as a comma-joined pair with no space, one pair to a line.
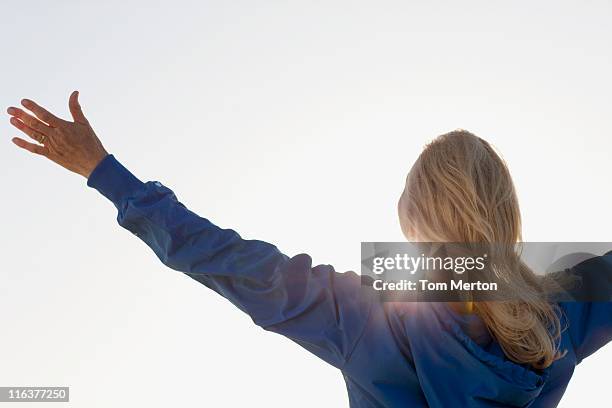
391,354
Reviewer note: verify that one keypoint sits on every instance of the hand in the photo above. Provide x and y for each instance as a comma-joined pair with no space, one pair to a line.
72,145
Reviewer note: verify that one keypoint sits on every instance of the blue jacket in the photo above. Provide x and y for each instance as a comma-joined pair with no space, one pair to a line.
390,354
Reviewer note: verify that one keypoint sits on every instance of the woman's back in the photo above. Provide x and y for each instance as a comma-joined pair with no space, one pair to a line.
426,354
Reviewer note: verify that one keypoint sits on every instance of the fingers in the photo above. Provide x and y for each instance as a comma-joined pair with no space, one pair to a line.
30,147
41,113
28,120
75,108
38,136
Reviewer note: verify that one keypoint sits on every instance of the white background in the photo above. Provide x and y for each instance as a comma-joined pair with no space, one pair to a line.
293,122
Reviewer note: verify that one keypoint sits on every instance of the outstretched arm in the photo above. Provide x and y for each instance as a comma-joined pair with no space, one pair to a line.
320,309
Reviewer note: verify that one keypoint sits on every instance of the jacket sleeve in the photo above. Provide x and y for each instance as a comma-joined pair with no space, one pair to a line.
590,322
320,309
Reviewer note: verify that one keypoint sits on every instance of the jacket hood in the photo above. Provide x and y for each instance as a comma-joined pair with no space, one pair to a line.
459,364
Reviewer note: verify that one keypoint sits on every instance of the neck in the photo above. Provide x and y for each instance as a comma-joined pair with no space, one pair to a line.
462,307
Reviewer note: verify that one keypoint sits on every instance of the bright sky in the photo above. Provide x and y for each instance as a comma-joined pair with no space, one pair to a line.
292,122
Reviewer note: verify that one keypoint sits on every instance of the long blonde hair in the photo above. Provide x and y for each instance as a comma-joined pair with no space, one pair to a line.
460,190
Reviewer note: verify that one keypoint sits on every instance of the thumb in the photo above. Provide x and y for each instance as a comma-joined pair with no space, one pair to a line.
75,108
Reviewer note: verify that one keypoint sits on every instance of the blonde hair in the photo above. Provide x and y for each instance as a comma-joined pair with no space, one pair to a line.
460,190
